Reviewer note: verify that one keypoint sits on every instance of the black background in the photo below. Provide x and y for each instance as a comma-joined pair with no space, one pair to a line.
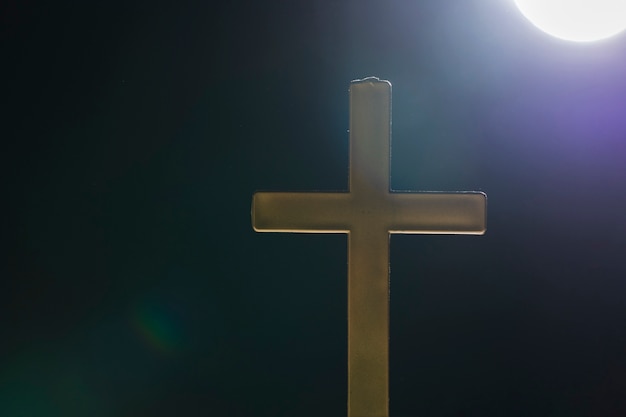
135,133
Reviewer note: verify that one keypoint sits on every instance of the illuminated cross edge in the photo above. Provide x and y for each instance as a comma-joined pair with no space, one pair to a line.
368,213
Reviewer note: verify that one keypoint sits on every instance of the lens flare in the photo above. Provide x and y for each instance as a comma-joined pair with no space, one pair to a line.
157,328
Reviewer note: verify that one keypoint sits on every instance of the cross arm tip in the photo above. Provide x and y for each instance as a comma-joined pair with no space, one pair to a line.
483,197
254,212
371,79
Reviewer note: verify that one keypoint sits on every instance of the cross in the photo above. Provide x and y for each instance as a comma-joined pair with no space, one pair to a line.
369,213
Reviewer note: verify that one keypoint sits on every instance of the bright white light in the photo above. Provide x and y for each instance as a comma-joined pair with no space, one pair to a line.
576,20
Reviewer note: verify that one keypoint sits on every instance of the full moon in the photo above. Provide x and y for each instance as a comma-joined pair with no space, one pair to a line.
576,20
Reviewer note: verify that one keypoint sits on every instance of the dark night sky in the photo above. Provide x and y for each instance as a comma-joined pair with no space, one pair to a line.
135,134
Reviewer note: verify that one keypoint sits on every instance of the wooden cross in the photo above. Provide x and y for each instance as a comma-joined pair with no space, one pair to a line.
368,213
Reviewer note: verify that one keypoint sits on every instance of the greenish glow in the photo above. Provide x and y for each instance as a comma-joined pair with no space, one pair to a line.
157,328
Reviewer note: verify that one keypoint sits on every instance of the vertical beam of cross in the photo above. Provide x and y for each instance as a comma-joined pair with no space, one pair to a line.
368,213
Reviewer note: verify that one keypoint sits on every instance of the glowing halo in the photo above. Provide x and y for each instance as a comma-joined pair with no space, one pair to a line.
576,20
